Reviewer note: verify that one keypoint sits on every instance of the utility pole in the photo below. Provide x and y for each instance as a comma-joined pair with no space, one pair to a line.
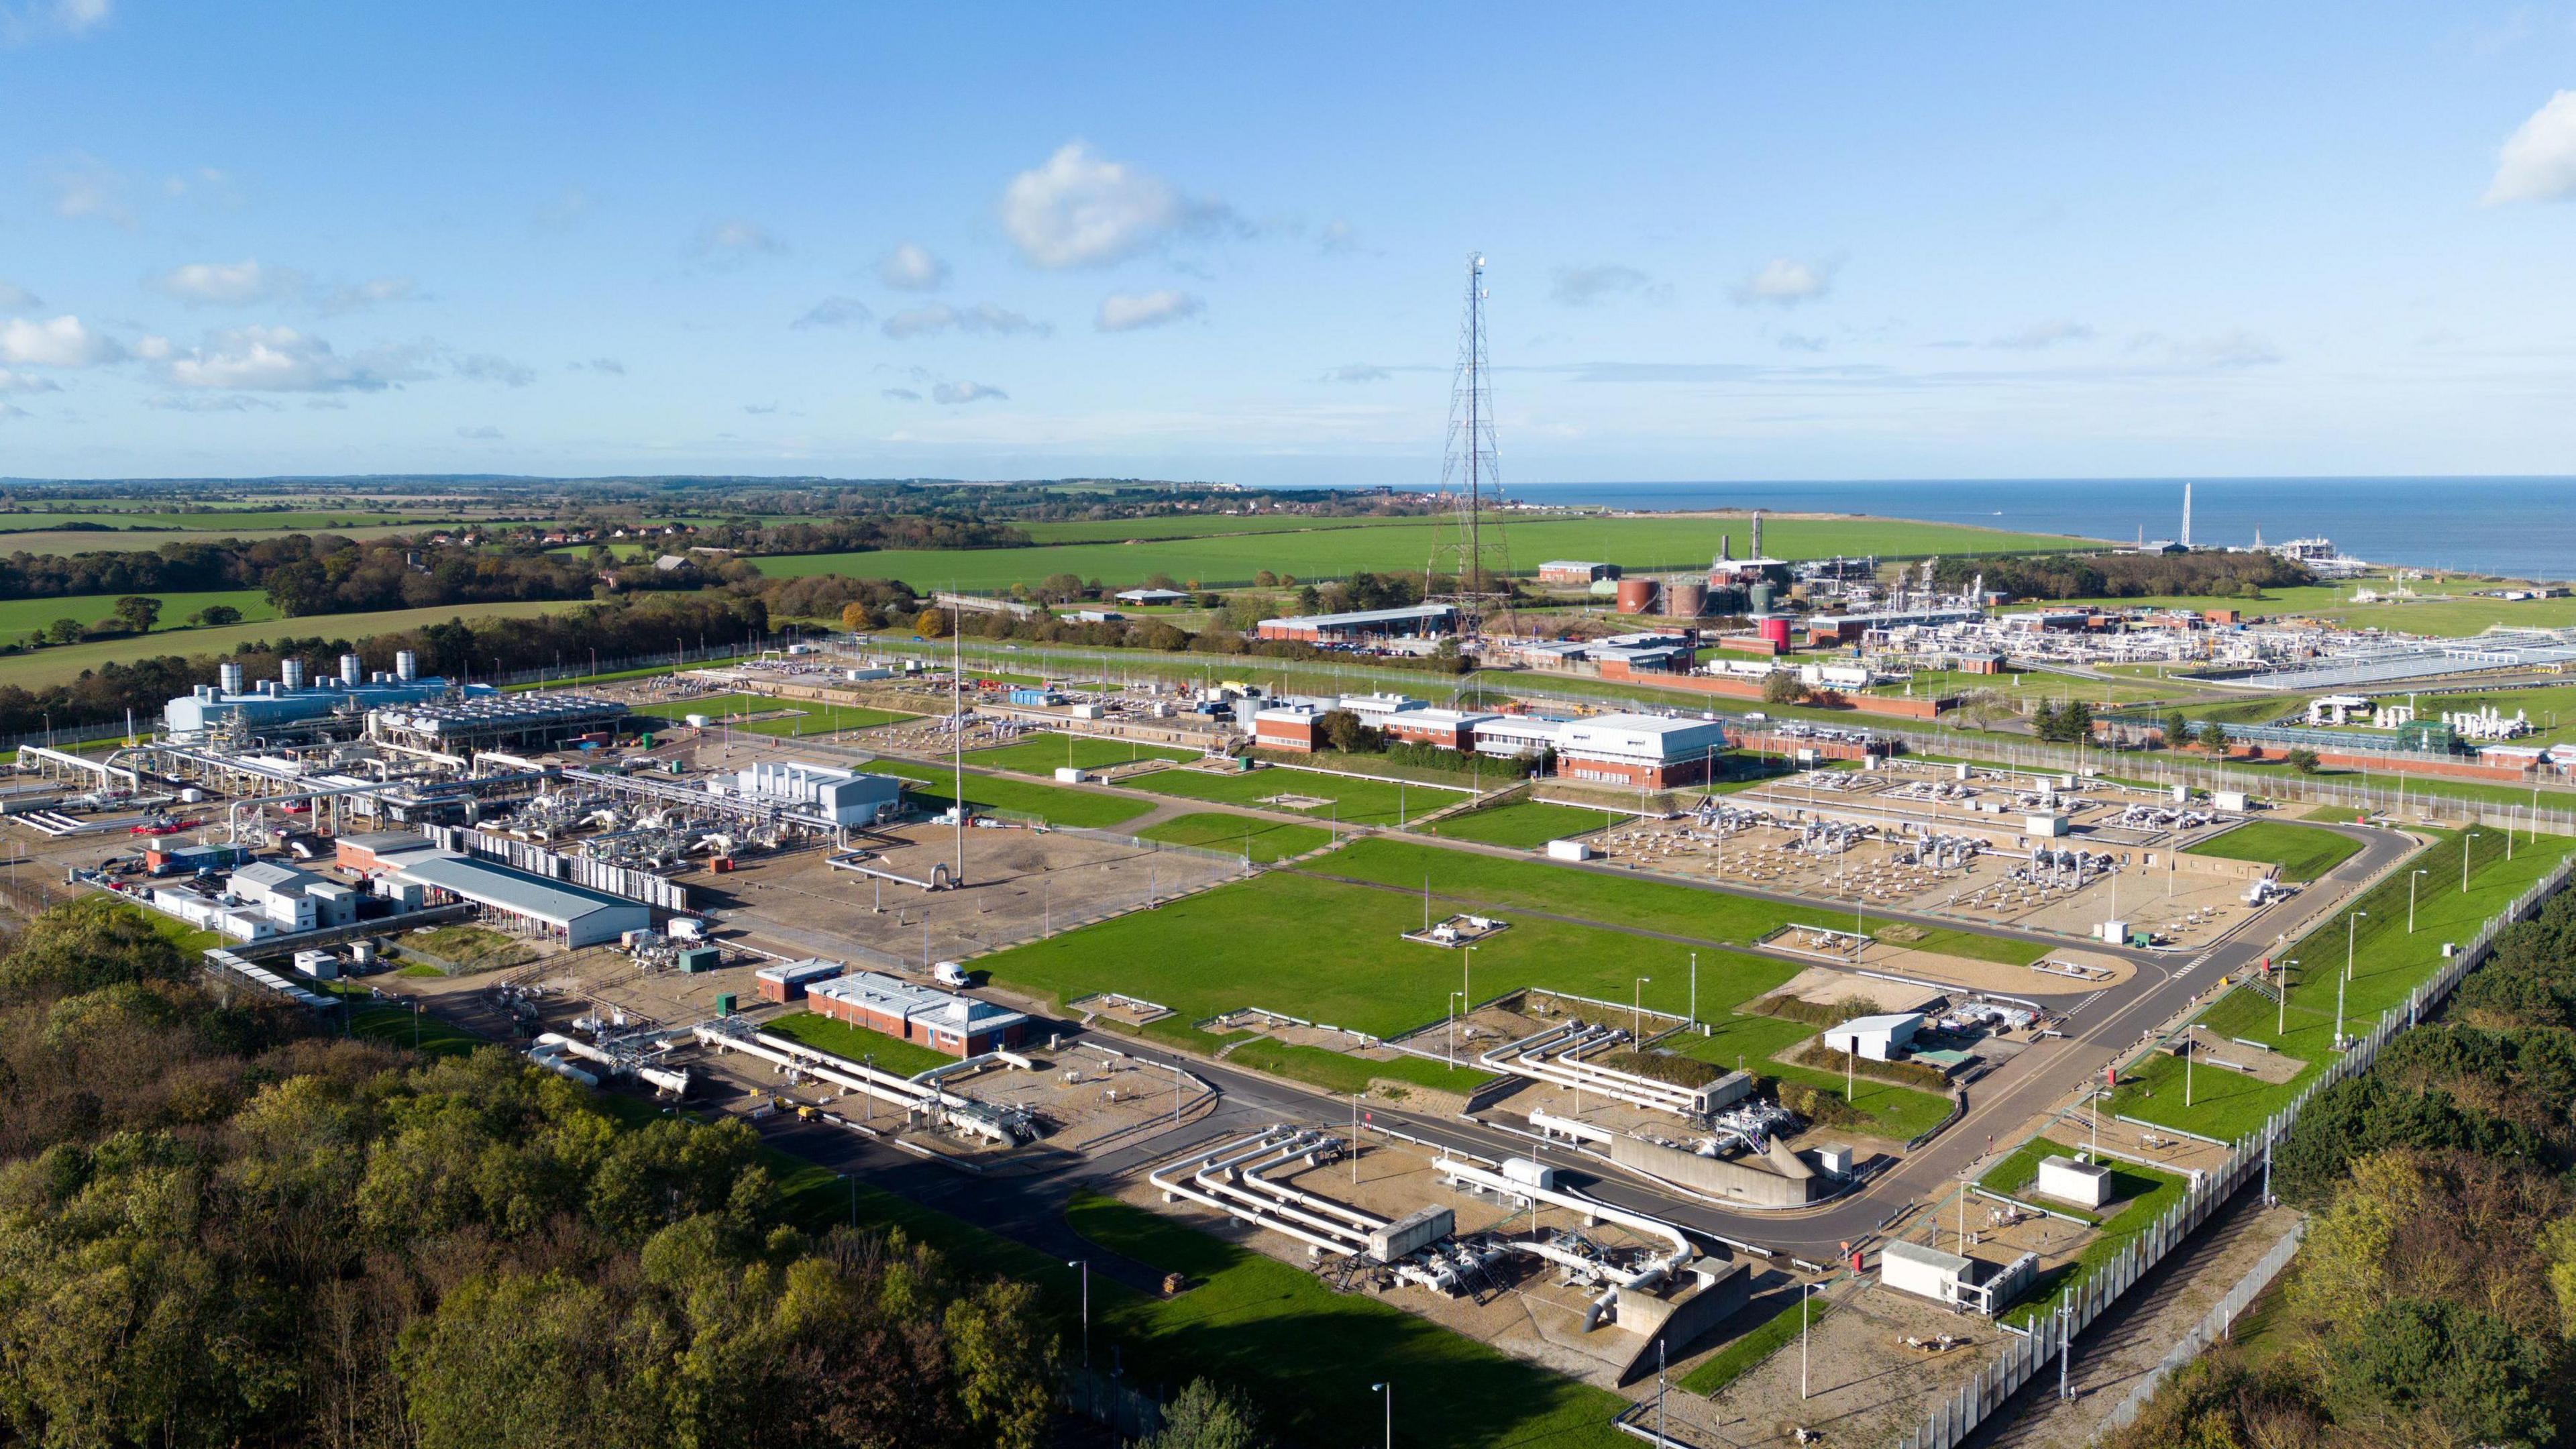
957,726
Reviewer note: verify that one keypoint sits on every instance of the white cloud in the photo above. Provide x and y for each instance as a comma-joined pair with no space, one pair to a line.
31,20
1801,342
357,296
735,241
18,299
836,312
487,367
1783,282
953,393
910,268
2043,334
206,183
26,382
281,359
900,394
1081,210
2538,162
226,402
983,317
608,365
85,189
61,342
1127,311
1357,372
1586,286
227,284
485,434
2231,349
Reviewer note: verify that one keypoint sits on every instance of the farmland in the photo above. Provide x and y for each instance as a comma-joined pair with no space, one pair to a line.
1220,560
20,616
64,662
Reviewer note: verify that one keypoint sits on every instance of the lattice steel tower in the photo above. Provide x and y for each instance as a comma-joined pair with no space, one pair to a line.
1471,566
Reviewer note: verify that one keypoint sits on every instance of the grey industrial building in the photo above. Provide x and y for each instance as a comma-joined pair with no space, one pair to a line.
572,914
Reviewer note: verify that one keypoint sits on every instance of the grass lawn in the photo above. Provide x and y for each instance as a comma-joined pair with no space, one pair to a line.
1527,824
397,1023
792,717
1622,900
1749,1041
2388,962
474,948
2301,853
1732,1362
1347,799
2139,1196
1262,840
1307,1355
851,1043
1333,952
1055,804
1044,754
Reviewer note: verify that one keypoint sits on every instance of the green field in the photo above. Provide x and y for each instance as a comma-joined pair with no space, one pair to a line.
2139,1196
62,663
1345,799
1308,1355
21,616
1044,754
1400,546
1262,841
1193,525
2451,613
2388,962
1055,804
65,541
1527,824
799,717
2301,853
858,1044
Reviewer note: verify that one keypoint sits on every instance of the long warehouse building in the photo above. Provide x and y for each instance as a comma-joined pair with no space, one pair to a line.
574,915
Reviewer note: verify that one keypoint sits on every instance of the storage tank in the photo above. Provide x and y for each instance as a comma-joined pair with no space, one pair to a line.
1763,596
406,666
231,678
353,670
290,675
1636,596
1774,627
1685,600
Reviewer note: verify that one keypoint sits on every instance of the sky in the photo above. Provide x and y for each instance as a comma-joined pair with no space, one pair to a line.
1221,242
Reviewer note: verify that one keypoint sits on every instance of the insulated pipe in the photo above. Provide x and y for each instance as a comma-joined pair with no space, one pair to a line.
1259,1145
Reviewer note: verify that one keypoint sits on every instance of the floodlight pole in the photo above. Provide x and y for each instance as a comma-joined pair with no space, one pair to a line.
2411,882
2349,923
2465,842
1637,1010
1806,1318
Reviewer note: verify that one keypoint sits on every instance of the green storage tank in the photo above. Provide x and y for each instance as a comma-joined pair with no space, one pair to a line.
700,958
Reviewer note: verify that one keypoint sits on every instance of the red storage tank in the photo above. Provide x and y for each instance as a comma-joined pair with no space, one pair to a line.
1774,627
1636,596
1685,601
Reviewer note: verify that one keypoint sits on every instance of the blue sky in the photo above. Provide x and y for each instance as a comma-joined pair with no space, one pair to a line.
1725,241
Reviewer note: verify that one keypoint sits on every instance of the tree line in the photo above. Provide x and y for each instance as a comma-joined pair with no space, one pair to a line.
2127,575
2434,1301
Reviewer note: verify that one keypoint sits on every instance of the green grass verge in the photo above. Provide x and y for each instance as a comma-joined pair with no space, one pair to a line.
1526,824
1346,799
1738,1358
1044,754
853,1043
1263,841
1055,804
1749,1041
2387,962
1307,1355
789,717
2139,1196
2301,853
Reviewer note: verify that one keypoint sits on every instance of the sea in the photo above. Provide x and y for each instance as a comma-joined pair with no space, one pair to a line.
2523,528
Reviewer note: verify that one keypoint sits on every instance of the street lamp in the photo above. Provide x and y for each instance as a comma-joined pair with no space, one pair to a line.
1085,1265
1806,1317
2411,882
2348,923
2465,842
2281,1023
1387,1389
1637,1009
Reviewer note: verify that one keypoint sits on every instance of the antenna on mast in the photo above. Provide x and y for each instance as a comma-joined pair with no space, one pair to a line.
1468,545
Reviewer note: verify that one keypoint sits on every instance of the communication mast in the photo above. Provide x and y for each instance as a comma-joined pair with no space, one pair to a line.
1467,544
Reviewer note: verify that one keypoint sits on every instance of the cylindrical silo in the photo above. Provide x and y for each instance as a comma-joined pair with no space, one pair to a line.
231,678
353,670
1762,597
1774,627
406,666
1685,600
1636,596
290,675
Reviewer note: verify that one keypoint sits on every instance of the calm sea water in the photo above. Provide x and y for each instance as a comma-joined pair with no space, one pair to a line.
2518,527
